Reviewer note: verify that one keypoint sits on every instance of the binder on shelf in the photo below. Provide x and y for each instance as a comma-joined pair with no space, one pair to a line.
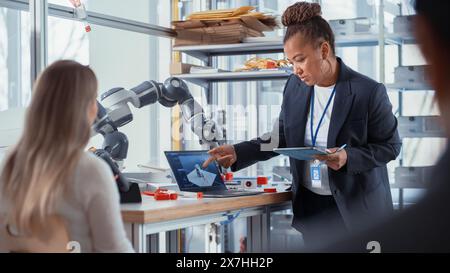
403,24
413,177
411,78
350,26
420,127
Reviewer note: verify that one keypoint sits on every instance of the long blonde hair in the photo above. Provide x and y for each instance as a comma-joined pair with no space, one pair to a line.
40,167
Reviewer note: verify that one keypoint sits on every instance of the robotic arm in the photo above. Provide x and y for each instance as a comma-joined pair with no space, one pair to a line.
115,112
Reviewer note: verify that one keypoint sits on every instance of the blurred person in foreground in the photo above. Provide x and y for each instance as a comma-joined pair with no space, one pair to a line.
425,226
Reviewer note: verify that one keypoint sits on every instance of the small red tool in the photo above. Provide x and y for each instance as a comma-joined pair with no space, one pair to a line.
262,180
162,194
228,176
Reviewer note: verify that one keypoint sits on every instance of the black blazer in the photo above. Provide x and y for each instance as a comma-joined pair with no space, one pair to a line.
362,118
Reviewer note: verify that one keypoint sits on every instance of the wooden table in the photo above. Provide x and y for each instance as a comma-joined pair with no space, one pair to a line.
158,217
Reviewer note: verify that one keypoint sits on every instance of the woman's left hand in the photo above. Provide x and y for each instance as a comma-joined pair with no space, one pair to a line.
334,160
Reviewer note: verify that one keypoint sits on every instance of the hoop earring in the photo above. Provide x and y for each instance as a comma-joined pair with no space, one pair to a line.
330,67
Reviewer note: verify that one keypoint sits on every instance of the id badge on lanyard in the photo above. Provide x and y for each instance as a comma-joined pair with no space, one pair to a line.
315,172
316,176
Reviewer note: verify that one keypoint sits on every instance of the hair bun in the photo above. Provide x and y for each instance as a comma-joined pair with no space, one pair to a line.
300,12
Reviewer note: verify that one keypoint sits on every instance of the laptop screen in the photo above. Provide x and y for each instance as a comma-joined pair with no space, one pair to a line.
190,176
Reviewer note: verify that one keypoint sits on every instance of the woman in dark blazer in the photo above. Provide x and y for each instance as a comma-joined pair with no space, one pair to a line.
352,189
422,228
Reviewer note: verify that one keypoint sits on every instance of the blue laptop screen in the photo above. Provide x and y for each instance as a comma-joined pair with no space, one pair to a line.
189,174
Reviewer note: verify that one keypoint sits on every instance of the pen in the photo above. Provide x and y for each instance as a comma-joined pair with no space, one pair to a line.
341,148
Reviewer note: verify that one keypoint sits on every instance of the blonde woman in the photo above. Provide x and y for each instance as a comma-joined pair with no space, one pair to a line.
48,176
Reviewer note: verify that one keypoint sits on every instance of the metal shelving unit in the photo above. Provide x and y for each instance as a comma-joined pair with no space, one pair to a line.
264,45
407,177
412,79
205,79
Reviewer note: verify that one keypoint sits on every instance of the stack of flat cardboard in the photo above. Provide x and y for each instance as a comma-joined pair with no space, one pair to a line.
222,26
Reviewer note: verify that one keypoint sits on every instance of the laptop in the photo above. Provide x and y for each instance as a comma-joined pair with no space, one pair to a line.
190,176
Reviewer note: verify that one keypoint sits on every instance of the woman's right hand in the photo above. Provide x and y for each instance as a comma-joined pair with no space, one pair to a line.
224,155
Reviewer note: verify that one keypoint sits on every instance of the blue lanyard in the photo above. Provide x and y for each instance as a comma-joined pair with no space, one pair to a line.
314,136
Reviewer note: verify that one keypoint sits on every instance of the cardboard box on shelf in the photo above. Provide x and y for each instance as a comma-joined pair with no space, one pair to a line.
248,21
222,13
198,32
256,24
215,35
